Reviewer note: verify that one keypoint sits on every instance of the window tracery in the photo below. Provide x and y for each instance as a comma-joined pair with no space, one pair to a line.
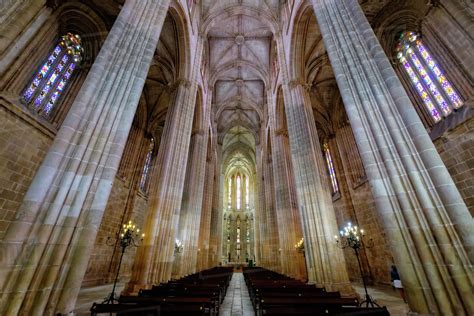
147,166
54,75
432,86
330,165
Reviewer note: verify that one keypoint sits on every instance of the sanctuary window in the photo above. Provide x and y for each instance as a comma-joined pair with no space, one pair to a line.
247,193
239,192
229,194
429,81
50,80
147,167
330,165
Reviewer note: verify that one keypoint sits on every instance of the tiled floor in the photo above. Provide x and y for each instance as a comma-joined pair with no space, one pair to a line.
237,301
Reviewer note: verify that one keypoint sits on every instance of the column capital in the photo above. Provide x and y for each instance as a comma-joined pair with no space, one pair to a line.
180,82
198,132
294,83
281,132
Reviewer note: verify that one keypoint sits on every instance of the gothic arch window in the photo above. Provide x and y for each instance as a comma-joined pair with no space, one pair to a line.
239,191
247,192
55,73
229,194
429,81
331,171
147,167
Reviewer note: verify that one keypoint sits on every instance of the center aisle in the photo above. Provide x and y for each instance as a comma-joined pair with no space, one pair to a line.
237,300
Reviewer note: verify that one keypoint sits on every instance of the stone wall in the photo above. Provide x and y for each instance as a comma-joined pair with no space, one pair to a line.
104,258
23,145
456,148
355,203
359,208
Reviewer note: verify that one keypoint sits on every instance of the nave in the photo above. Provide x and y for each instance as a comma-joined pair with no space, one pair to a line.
242,299
147,141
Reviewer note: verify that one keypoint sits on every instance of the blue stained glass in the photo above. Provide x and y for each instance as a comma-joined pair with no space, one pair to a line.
147,166
51,79
41,74
411,48
332,172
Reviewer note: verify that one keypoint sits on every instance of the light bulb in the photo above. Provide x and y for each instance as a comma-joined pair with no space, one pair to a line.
143,235
138,230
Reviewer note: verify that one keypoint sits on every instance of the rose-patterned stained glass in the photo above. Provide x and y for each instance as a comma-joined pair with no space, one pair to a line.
332,172
53,76
147,166
432,86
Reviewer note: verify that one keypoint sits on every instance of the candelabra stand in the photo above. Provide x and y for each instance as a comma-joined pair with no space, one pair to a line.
129,237
350,238
299,246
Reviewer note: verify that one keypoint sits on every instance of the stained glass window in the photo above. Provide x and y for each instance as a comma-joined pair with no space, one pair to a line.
147,166
431,84
49,82
238,192
247,197
332,172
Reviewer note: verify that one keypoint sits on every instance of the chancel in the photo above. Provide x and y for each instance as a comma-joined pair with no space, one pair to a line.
260,157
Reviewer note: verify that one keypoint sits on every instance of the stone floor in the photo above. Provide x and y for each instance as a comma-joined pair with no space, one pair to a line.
89,295
384,295
237,301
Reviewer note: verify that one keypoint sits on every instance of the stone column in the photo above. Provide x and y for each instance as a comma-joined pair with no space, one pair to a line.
205,221
424,216
189,220
272,243
325,262
46,249
154,260
289,223
259,207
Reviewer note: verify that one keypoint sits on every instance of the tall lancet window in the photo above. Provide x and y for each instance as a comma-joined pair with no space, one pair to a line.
332,172
229,194
239,192
147,166
434,89
49,82
247,197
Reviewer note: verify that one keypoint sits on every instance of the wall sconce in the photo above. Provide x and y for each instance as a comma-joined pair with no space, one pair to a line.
178,246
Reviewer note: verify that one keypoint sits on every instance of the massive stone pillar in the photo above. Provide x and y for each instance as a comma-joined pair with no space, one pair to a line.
46,249
289,223
324,261
216,232
259,209
424,216
154,259
206,213
189,220
272,244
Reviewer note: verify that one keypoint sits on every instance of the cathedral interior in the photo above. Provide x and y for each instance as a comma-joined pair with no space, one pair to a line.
236,133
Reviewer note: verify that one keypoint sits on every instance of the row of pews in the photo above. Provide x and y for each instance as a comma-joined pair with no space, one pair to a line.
272,293
196,294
